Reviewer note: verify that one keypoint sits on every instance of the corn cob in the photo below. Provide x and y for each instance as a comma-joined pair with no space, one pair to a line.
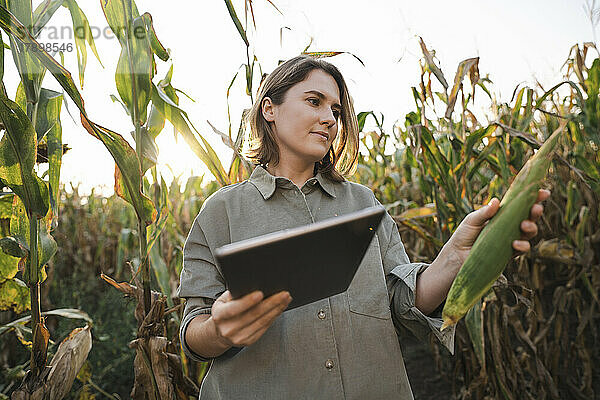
492,250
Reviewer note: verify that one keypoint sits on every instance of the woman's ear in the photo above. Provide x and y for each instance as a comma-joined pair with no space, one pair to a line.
267,109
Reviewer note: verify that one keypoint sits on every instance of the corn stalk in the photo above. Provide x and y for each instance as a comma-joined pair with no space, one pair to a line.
31,119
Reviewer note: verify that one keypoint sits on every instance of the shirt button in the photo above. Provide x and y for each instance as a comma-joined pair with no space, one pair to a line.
329,364
321,314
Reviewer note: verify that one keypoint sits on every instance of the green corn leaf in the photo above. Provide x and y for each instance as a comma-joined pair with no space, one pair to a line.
227,100
439,167
43,13
127,174
155,123
135,67
502,160
46,245
121,151
9,266
153,251
156,45
572,201
115,99
481,84
440,163
134,72
589,167
421,232
516,111
14,295
19,223
14,246
149,151
528,112
47,116
51,112
17,158
48,125
14,28
165,86
584,215
182,124
2,47
482,156
83,34
578,96
236,21
161,272
28,66
362,118
471,143
474,323
72,313
6,201
116,13
235,170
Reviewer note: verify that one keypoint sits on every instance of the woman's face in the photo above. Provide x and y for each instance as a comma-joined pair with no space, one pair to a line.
306,123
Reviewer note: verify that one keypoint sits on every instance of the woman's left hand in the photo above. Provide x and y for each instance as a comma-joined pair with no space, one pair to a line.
464,237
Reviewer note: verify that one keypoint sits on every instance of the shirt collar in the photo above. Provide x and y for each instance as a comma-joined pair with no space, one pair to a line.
266,183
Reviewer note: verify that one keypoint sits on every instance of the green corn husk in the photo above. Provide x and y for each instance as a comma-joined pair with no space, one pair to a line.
493,248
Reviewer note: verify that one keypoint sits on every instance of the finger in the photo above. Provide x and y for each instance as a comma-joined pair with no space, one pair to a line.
264,307
529,229
235,307
543,194
536,212
481,216
254,331
224,297
522,246
256,335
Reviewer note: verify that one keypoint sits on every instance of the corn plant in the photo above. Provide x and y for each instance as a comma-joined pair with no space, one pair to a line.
534,330
31,122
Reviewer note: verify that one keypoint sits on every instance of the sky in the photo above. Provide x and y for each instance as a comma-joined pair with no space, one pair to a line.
518,42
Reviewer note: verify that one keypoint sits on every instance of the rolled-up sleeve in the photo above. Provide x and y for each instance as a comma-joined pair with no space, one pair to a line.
194,306
201,282
401,279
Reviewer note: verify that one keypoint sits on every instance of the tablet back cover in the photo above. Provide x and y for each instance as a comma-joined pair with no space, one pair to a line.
312,262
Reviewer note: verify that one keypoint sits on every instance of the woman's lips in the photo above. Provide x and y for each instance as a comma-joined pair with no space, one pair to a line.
322,134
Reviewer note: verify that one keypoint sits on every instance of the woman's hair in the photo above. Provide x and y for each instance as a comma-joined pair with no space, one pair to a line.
262,147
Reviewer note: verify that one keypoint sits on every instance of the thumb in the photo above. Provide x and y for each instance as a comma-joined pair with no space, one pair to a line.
224,297
480,217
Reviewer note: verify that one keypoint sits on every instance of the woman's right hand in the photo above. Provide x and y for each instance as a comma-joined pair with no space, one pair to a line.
243,321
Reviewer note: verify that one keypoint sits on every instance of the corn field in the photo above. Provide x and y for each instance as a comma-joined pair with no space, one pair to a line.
69,263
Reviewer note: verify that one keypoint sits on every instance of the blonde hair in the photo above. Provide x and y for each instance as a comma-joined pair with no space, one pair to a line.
342,157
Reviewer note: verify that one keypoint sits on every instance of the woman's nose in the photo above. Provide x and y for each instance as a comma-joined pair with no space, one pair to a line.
328,118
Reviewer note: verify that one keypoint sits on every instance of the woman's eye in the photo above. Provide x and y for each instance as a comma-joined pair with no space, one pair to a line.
314,101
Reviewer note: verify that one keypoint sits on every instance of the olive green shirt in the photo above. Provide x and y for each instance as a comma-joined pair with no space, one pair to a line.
342,347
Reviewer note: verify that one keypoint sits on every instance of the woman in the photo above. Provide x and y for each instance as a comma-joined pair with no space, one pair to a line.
342,347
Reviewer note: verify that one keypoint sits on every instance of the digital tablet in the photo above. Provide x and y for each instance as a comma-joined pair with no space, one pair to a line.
312,262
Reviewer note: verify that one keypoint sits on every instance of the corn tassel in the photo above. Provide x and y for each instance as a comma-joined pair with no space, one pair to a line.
492,250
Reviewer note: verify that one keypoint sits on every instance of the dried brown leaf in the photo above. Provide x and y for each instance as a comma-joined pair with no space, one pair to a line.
68,360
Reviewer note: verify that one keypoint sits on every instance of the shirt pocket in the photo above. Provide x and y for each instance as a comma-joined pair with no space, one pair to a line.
367,294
